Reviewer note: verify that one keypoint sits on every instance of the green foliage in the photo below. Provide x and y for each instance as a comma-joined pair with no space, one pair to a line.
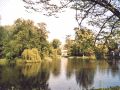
83,43
22,35
12,49
55,48
56,43
100,51
84,37
31,54
113,39
3,35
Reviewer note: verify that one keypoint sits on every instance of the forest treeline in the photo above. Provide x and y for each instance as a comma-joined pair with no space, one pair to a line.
84,44
26,40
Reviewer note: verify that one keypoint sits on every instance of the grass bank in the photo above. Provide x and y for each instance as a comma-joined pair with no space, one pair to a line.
22,61
49,59
83,57
111,88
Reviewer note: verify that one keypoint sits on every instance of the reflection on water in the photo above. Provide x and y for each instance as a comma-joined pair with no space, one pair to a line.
84,72
30,69
61,74
55,67
25,77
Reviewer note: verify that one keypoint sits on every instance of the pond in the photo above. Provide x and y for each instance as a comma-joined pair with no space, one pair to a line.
64,74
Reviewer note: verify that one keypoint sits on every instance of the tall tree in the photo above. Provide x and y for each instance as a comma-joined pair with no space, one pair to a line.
25,35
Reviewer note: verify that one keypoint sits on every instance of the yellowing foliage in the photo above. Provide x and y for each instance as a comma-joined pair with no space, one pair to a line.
31,54
30,70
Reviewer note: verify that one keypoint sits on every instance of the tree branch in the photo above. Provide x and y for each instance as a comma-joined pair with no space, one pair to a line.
113,26
87,12
108,6
102,28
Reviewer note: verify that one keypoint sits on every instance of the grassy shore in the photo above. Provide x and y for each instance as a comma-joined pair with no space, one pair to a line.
83,57
111,88
22,61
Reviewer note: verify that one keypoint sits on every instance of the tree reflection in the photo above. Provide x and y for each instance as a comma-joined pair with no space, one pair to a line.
109,66
72,65
26,77
85,76
55,67
102,65
114,67
38,78
31,69
9,77
84,72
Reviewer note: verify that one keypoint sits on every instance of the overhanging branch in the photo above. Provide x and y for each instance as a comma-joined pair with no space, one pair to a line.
111,31
102,28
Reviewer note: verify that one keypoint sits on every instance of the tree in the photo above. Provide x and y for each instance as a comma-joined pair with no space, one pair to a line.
68,42
104,14
25,35
42,42
56,43
3,35
31,54
83,43
42,31
101,50
55,48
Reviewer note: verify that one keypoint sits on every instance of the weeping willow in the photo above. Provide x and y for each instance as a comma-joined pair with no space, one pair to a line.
31,54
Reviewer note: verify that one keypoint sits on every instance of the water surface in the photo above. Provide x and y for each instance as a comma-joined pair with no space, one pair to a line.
61,74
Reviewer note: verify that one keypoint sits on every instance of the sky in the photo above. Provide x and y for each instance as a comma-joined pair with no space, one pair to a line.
10,10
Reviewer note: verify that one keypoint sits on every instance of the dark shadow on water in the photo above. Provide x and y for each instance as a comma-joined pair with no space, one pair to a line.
84,72
25,77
